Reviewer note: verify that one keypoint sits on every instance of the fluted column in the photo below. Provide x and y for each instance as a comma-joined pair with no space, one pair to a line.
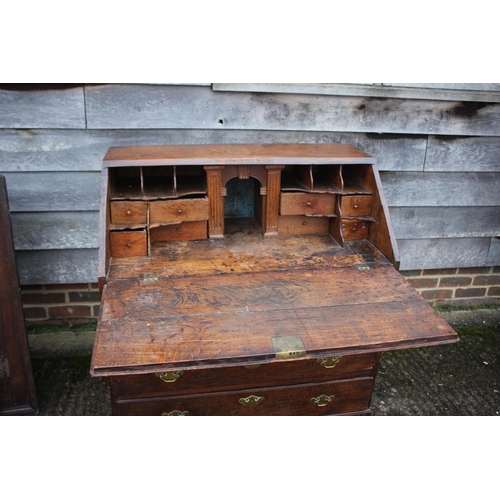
216,202
272,199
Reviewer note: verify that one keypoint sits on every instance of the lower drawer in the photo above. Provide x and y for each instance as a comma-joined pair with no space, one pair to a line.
128,243
355,229
238,377
347,396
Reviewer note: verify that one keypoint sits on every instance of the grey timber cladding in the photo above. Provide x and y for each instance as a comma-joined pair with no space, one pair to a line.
139,106
487,92
53,191
57,266
439,158
54,230
436,189
62,108
445,222
463,154
82,150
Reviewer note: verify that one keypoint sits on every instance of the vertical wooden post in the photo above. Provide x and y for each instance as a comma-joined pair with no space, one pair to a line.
272,199
216,202
17,387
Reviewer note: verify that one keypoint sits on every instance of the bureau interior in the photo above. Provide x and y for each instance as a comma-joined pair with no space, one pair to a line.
152,204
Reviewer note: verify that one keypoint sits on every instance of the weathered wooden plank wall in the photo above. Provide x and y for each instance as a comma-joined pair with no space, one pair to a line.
439,157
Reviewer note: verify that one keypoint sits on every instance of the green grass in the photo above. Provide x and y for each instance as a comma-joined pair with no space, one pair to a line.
91,327
494,307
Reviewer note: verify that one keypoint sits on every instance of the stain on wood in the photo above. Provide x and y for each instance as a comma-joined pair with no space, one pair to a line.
468,109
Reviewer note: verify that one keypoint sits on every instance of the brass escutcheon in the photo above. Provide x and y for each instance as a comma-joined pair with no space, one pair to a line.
175,413
251,401
329,362
322,400
169,376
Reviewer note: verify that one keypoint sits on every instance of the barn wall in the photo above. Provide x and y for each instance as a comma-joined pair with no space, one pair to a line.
437,148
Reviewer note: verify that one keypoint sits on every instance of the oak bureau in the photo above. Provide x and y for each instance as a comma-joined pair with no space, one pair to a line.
257,279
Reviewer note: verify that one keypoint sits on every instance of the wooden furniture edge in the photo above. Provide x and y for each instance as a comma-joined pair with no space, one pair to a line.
236,154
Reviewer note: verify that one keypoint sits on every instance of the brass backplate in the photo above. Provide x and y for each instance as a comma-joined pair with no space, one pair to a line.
289,346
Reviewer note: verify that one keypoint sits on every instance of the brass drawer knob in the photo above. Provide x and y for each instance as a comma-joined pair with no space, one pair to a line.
322,400
175,413
329,362
355,206
129,212
179,211
251,401
169,376
308,203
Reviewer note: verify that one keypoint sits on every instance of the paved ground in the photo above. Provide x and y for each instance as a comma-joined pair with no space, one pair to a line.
458,379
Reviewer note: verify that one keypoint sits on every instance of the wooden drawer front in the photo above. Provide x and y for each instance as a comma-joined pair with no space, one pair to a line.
239,377
300,224
128,243
356,206
184,231
129,212
352,395
307,204
161,212
355,229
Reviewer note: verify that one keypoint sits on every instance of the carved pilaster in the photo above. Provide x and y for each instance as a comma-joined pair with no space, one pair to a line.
216,202
272,199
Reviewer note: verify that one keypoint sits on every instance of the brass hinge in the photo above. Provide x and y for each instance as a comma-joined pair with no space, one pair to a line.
4,367
364,268
148,279
289,346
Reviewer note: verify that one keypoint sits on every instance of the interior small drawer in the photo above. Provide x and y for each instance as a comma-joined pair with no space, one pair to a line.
307,204
346,396
128,243
301,224
241,377
129,212
161,212
356,205
183,231
355,229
